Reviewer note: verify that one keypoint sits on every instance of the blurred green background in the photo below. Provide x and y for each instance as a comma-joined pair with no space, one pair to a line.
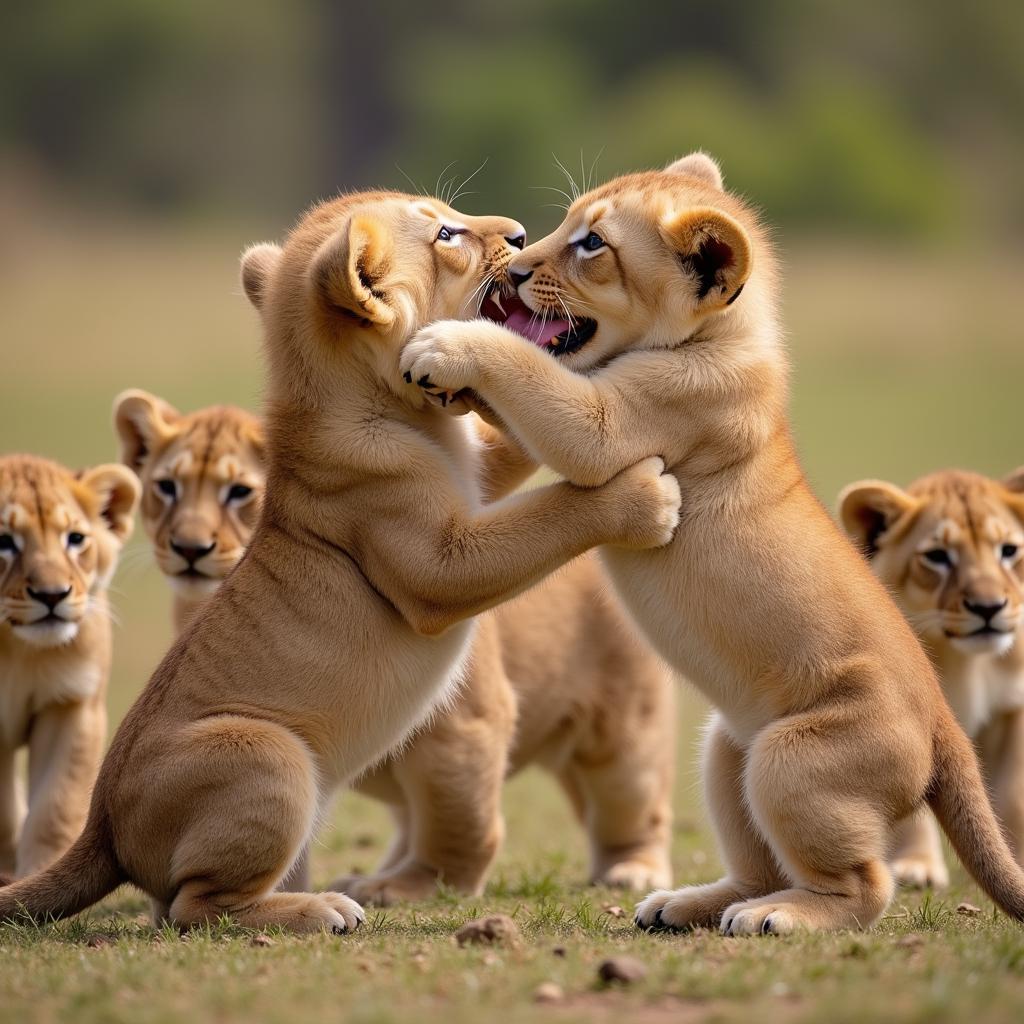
143,143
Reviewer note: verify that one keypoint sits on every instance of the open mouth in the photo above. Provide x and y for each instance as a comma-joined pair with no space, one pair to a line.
558,336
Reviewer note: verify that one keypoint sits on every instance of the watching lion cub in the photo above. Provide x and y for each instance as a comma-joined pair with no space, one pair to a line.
349,616
202,479
950,548
60,535
556,677
647,322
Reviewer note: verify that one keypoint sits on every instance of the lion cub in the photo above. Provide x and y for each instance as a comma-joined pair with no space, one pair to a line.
60,536
554,676
202,477
347,619
647,322
950,548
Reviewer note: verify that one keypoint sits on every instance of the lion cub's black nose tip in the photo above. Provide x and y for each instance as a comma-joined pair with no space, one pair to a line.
192,552
50,598
519,278
985,609
516,241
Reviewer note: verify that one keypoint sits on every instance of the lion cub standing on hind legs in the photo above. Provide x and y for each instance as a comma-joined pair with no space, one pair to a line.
951,550
347,619
647,322
60,536
556,676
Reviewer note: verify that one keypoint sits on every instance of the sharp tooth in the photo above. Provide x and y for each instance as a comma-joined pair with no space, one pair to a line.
496,299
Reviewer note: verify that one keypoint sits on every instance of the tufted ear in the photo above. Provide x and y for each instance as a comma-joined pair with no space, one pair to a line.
348,270
118,490
143,422
258,263
714,251
698,165
870,508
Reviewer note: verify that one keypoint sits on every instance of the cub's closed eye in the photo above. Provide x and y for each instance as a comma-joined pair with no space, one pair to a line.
1009,550
238,492
938,556
168,488
592,242
75,539
7,542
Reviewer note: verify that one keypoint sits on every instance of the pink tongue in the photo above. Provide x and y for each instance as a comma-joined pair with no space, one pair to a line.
530,325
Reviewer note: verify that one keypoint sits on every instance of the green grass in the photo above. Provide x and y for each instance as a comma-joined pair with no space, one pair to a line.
903,363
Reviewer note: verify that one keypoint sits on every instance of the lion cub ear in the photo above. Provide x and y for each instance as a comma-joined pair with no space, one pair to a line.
1015,481
870,508
143,423
701,166
118,491
348,270
714,251
258,263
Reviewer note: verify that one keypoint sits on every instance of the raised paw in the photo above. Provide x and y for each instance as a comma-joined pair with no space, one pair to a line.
654,499
442,356
920,872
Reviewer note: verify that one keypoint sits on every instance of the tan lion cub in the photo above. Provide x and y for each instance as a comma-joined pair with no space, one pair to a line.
60,535
647,322
950,548
202,477
345,621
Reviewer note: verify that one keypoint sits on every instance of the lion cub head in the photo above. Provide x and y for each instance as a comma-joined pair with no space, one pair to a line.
359,274
951,549
645,260
60,535
202,477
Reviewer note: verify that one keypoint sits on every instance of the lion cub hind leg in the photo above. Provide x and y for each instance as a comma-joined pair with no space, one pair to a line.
917,860
832,842
250,788
752,870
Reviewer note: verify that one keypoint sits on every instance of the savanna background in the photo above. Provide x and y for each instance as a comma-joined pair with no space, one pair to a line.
143,143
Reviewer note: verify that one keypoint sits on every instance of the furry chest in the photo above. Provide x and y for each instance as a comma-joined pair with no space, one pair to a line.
27,688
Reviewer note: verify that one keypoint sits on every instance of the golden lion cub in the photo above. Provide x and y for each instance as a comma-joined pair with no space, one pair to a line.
60,535
950,548
554,676
347,619
647,322
202,479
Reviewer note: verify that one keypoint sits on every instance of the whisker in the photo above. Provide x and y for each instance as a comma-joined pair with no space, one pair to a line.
437,184
419,189
572,181
460,191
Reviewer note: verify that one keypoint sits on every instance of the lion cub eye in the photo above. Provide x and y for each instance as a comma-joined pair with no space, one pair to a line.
938,556
168,488
7,543
76,539
1009,551
237,493
449,235
592,242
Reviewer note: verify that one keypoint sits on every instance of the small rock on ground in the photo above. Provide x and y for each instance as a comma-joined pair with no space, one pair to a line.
968,909
548,992
492,930
623,970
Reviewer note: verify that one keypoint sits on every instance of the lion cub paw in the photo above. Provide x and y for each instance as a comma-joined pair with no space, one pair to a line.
386,890
634,874
652,504
920,872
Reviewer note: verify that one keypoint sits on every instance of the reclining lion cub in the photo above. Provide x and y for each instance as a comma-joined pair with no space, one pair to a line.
202,477
950,548
831,727
60,536
555,676
347,618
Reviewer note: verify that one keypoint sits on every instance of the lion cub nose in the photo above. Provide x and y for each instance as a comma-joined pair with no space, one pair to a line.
985,609
192,552
50,598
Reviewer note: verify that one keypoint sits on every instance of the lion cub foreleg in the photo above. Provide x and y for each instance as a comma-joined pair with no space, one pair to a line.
1004,766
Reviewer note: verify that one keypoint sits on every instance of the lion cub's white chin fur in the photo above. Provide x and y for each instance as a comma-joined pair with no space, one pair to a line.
47,634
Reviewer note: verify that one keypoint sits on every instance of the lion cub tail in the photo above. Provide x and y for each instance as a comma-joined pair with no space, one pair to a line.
85,874
958,797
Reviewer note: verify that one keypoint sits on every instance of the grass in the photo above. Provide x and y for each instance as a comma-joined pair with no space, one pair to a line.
904,362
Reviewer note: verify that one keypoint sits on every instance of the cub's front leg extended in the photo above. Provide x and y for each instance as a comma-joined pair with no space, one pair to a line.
439,562
585,428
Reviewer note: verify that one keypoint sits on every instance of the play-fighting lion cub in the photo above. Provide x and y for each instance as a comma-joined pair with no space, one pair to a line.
348,617
831,727
554,677
60,535
202,479
951,550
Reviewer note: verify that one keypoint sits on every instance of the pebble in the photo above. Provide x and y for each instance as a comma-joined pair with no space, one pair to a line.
624,970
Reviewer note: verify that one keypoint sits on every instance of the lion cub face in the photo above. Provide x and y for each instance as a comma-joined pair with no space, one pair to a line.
951,548
60,535
363,272
202,480
643,260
